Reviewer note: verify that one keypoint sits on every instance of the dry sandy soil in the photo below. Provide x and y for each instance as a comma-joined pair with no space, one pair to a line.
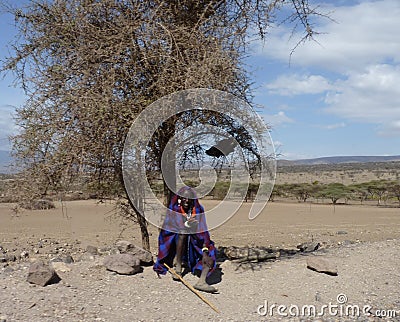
362,242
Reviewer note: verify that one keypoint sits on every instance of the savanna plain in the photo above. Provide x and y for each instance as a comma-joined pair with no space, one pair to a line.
361,240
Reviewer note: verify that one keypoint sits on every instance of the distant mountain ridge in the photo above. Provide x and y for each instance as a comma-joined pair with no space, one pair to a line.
6,160
340,159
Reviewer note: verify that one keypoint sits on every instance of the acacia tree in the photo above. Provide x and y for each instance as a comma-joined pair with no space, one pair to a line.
334,192
90,67
378,188
359,191
394,189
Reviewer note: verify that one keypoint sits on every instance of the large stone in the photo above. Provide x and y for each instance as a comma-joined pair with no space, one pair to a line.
42,274
125,264
126,247
321,265
308,247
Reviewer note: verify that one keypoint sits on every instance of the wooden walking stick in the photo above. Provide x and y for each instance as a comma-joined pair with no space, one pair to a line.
172,271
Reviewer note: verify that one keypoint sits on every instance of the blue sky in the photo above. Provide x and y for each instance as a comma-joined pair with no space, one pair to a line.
339,95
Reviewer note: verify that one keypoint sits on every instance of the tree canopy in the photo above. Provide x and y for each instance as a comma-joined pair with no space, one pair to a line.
90,67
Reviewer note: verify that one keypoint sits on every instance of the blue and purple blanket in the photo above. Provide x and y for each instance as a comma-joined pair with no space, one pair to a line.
168,238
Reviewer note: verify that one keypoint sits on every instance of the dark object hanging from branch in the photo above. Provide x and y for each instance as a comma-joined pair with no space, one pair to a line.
222,148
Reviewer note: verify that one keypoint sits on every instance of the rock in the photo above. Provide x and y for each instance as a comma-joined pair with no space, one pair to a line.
322,265
287,252
68,259
376,313
24,254
308,247
107,250
124,246
247,254
146,258
42,274
347,242
59,259
10,257
64,259
86,257
60,267
125,264
8,270
342,232
227,265
92,250
3,318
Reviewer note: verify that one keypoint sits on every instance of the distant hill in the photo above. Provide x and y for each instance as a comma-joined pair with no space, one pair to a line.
339,159
6,160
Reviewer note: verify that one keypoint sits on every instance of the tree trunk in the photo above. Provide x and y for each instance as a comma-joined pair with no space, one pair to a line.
144,232
169,168
138,209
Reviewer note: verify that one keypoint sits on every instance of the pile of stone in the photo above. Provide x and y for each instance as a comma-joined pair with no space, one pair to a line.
260,253
123,258
129,259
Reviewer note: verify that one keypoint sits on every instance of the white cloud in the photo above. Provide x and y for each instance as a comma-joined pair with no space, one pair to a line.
277,119
295,84
390,129
362,48
372,96
333,126
366,33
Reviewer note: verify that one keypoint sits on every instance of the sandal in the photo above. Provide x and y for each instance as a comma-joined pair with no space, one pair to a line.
178,273
205,288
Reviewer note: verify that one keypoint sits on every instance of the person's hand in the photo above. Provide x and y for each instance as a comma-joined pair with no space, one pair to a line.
191,224
193,221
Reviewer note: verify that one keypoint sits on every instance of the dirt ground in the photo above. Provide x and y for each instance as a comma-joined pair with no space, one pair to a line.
363,242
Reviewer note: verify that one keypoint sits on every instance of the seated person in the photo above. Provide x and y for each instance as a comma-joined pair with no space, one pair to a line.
184,237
